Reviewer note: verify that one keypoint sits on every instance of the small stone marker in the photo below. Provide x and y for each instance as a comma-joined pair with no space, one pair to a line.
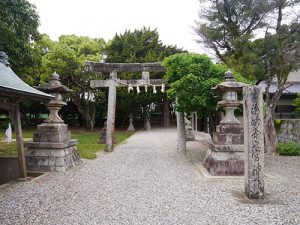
130,127
254,142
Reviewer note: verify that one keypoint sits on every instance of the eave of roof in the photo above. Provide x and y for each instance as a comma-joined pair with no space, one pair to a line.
12,85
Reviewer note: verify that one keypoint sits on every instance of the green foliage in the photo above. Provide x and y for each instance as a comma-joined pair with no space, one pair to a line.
191,77
138,46
289,149
18,28
227,27
67,57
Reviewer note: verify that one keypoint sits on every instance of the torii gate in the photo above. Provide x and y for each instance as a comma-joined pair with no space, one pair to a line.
113,82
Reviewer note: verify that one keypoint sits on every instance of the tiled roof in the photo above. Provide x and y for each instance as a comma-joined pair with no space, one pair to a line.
12,85
291,90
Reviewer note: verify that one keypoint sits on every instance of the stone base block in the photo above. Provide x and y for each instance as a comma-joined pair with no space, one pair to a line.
51,157
228,139
102,139
190,137
52,132
225,163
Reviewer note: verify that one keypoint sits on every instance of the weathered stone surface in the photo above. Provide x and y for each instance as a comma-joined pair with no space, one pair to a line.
190,136
289,131
181,137
111,111
46,158
254,142
130,127
226,154
224,163
52,148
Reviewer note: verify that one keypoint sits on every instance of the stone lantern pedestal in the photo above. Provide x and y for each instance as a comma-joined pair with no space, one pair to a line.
225,156
52,148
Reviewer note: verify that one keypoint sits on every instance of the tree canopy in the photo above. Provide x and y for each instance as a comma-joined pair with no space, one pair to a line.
137,46
67,57
229,28
191,77
19,23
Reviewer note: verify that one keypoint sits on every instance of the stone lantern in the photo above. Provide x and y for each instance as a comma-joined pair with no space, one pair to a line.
52,148
226,152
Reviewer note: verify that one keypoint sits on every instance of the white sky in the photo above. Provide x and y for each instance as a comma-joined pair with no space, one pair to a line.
103,18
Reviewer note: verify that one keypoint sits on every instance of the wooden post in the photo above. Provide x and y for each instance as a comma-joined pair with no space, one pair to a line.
19,140
111,110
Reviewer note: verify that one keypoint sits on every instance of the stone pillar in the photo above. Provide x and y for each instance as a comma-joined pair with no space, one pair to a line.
181,137
111,111
254,142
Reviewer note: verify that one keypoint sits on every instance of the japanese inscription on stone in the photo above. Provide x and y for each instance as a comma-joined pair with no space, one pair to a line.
254,142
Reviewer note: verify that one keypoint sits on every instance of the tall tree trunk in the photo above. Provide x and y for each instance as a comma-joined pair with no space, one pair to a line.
88,111
166,112
270,132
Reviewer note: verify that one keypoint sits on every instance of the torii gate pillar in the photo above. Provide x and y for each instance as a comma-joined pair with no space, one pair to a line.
111,111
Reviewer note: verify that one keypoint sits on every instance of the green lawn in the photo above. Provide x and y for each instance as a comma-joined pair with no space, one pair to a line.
87,143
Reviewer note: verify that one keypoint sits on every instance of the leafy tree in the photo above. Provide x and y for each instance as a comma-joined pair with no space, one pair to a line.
67,57
228,28
18,28
282,56
137,46
228,25
191,77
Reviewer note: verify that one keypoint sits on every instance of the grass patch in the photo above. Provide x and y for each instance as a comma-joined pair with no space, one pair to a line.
87,145
8,150
289,149
25,133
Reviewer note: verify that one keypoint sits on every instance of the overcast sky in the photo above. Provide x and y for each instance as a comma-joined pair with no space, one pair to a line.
103,18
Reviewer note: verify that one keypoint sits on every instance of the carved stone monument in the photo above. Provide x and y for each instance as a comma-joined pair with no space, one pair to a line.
189,130
52,148
130,127
254,142
102,139
225,156
103,134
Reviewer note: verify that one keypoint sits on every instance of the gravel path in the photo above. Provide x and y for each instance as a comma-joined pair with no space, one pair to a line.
146,181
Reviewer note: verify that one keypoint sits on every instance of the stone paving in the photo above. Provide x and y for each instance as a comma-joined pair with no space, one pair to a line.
146,181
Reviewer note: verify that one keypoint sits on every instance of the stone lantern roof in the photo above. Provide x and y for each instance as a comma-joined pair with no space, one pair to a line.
229,83
54,85
12,86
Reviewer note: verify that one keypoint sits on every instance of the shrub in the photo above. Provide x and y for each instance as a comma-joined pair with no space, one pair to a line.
291,148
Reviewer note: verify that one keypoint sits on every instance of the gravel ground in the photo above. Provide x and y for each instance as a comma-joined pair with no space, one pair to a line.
146,181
